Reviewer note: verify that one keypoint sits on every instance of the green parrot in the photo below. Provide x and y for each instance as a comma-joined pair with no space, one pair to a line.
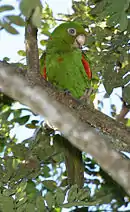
66,67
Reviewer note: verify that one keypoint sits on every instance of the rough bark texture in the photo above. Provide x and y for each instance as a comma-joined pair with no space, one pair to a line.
32,55
118,134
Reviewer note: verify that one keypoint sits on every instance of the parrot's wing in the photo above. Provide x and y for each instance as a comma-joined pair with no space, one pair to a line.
86,65
43,65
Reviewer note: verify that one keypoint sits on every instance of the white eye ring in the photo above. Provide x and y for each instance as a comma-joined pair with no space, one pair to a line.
72,31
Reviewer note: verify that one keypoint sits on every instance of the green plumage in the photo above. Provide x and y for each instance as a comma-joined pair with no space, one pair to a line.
63,60
65,70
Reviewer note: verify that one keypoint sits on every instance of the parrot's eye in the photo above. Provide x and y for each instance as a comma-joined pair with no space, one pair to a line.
72,31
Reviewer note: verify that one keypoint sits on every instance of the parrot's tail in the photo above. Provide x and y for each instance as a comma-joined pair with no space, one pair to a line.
74,165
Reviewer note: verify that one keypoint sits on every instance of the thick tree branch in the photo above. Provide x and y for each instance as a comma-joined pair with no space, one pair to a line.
81,135
119,135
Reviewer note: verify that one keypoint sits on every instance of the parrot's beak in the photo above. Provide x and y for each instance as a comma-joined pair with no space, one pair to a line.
79,41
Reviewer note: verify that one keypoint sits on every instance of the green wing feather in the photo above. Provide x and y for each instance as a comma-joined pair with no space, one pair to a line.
66,71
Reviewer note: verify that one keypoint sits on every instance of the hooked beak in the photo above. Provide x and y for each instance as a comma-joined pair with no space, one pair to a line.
79,41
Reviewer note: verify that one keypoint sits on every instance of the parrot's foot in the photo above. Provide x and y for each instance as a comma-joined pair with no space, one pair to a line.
85,99
67,92
73,99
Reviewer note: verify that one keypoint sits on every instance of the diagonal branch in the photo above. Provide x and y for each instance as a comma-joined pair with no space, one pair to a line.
80,134
119,135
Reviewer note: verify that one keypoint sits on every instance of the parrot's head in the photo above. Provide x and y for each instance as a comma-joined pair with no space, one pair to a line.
68,35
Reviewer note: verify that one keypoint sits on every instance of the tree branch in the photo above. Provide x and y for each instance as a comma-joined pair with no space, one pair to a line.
32,55
80,134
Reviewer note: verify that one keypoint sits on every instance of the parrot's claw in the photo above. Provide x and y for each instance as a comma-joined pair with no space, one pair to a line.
67,92
85,99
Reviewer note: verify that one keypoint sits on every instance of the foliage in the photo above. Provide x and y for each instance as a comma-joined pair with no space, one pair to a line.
27,170
32,172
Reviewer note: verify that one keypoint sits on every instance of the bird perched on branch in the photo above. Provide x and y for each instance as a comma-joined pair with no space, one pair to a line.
65,65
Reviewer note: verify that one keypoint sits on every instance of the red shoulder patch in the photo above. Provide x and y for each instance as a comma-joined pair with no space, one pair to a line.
86,67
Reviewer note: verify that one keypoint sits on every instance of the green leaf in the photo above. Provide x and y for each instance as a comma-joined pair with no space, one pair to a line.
30,207
126,94
123,21
21,204
50,184
15,19
113,107
5,108
114,19
22,120
90,40
81,203
6,204
22,186
64,182
31,126
9,28
45,29
40,204
22,53
98,9
4,8
128,123
40,51
60,196
72,193
19,150
26,7
22,208
46,32
34,122
9,167
17,113
6,114
8,192
83,194
31,190
6,59
46,171
106,96
126,5
49,197
43,42
36,18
